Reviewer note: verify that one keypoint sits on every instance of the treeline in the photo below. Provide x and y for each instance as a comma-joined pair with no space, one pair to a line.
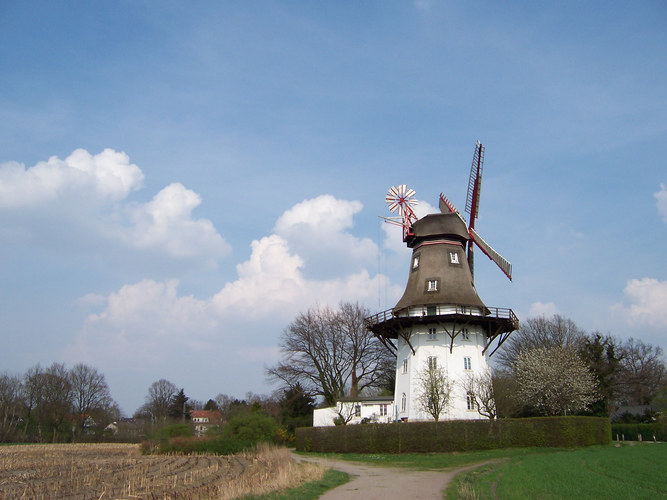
549,367
166,404
552,367
54,404
59,404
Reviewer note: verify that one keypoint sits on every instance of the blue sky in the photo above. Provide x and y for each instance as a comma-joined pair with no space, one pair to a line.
179,180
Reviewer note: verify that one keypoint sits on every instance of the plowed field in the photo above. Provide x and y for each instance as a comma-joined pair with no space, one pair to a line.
112,471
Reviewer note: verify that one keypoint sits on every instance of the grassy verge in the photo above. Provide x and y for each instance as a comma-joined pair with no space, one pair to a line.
431,461
607,472
307,491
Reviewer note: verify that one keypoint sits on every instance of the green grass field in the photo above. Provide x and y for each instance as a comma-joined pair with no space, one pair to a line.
606,472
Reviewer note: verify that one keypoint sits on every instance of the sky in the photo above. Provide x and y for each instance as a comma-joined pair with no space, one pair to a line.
179,180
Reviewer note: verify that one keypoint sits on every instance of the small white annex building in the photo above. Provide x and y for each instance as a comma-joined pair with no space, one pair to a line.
378,409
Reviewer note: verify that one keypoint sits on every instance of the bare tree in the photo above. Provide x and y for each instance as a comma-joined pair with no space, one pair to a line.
11,390
345,411
433,390
159,399
32,390
539,332
331,354
48,399
642,372
90,394
554,380
504,392
481,387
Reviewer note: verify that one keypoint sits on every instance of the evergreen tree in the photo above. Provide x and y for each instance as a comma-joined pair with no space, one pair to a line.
602,358
211,405
296,408
179,409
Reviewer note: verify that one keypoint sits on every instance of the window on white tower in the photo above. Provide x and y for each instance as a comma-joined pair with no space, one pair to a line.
467,365
404,401
464,334
405,365
432,335
432,362
470,401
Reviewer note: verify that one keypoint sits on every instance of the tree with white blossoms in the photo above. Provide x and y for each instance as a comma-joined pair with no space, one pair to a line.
433,390
554,380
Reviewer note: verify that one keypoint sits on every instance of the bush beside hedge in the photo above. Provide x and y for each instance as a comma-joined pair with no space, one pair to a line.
240,433
456,435
631,432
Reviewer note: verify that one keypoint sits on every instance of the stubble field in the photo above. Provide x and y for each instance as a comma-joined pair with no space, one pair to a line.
99,471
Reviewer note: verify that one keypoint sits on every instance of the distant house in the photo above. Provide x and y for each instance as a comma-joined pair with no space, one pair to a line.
204,419
85,422
376,409
128,429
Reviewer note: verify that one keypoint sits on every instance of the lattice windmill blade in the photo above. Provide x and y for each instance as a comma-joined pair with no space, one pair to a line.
500,261
475,183
447,206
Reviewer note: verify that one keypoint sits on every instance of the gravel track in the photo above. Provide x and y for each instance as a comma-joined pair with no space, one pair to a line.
371,482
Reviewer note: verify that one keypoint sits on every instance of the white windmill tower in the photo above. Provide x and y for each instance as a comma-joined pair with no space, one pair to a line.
440,320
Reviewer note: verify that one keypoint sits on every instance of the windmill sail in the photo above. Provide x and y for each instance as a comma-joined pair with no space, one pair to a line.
475,183
501,261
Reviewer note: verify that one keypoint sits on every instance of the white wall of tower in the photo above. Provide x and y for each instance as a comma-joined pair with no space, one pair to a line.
425,344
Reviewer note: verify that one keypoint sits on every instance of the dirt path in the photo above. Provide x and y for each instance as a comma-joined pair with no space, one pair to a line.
384,483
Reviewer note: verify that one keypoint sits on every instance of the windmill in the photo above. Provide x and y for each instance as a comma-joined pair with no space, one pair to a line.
472,208
440,320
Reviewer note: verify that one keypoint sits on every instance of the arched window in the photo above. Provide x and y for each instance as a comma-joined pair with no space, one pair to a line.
404,402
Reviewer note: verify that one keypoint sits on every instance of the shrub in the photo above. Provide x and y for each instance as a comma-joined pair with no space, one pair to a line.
631,432
171,431
253,427
241,433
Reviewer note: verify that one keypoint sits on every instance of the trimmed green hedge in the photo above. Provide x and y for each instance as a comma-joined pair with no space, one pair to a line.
455,435
631,432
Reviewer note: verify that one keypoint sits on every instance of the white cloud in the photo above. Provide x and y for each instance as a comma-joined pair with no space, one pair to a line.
270,280
647,299
661,196
272,286
89,192
547,309
166,223
325,215
105,177
142,321
317,230
424,4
